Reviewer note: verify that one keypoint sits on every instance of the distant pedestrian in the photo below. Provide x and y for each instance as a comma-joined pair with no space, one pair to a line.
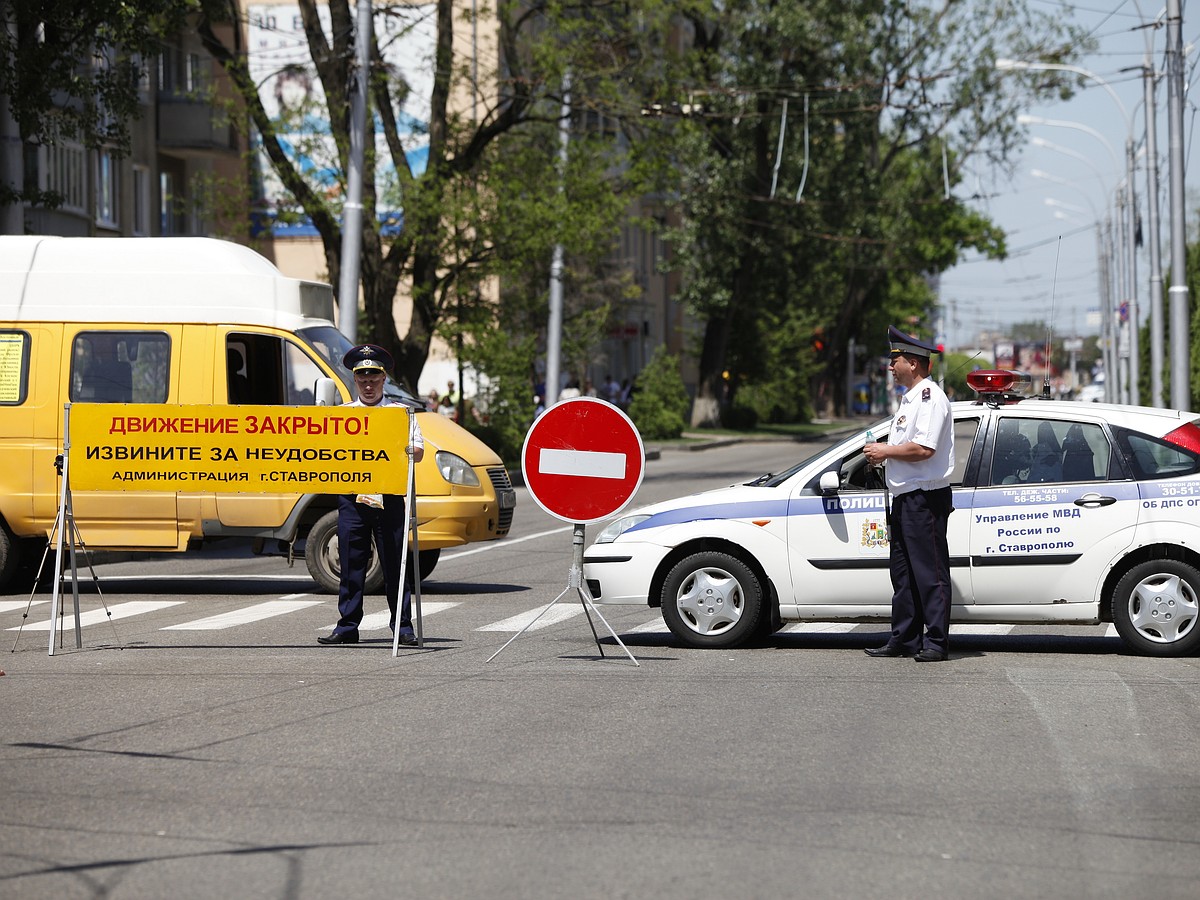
611,390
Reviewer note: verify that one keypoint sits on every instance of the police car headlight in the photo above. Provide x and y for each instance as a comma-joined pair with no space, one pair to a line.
617,527
455,469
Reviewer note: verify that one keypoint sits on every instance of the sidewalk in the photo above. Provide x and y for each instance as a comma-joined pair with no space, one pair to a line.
702,441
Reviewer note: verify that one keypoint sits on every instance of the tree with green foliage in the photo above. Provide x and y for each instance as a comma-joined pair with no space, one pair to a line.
70,70
456,234
660,401
820,157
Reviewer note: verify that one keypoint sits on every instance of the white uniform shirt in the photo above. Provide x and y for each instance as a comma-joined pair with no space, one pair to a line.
923,417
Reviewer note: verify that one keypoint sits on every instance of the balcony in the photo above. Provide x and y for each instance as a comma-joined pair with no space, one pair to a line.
188,127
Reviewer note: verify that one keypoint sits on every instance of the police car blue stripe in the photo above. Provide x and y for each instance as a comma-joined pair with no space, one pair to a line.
756,509
990,497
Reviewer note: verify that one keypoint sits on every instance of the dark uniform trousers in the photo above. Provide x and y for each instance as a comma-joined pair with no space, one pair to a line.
920,564
358,525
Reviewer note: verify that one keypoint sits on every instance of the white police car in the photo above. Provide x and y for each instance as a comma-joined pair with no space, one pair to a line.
1065,513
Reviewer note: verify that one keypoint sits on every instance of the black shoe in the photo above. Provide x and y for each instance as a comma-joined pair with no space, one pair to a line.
930,655
408,639
340,637
887,650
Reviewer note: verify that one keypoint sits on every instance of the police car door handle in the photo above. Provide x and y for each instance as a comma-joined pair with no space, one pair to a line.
1093,500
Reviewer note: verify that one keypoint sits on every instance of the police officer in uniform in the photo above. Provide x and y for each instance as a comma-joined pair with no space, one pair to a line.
363,518
919,459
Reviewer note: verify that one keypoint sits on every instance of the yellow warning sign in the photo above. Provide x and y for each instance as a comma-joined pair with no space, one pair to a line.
238,449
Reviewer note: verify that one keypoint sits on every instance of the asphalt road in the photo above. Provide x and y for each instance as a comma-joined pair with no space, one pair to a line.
201,744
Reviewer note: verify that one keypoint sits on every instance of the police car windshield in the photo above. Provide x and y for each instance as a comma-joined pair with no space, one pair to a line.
776,480
332,346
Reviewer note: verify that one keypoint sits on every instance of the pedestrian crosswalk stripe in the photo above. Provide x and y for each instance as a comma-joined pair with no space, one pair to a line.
378,621
654,626
244,616
96,616
558,612
10,605
973,628
819,628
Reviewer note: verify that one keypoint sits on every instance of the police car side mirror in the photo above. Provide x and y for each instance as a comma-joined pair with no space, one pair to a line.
325,393
829,483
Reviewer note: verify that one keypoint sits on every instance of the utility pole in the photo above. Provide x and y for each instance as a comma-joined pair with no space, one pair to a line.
352,211
1180,364
554,326
12,163
1152,226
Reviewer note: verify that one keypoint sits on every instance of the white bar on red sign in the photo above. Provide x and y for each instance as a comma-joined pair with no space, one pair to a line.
591,463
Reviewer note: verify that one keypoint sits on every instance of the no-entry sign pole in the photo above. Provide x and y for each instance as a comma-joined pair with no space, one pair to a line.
583,460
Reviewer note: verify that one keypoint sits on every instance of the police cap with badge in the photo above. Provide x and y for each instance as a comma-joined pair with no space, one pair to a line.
906,344
368,358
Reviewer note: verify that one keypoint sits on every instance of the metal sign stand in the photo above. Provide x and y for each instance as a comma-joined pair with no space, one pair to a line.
64,524
575,582
410,500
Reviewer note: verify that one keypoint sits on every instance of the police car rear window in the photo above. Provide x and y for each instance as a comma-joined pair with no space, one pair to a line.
1152,458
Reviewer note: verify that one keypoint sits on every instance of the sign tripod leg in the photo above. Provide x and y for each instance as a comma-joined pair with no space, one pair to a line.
410,510
65,529
575,582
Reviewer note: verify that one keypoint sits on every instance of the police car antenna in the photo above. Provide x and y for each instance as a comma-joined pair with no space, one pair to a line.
1050,323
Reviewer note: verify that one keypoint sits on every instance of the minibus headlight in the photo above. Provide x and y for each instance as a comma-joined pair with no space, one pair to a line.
455,469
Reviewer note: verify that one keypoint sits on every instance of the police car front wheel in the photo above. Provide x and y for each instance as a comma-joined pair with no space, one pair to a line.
1156,608
712,599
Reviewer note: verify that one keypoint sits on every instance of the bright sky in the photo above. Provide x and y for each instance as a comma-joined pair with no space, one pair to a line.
1066,181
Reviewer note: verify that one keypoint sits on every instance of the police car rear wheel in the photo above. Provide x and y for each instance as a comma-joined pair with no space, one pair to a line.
712,599
1156,608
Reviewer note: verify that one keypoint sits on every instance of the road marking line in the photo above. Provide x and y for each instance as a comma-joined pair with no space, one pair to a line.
378,621
820,628
10,605
590,463
244,616
201,577
560,613
501,544
96,616
654,626
1111,631
972,628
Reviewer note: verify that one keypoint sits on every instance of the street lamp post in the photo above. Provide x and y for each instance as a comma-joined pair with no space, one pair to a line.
1110,278
1129,286
1181,390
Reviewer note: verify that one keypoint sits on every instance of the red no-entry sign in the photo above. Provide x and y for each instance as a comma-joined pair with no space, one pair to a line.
583,460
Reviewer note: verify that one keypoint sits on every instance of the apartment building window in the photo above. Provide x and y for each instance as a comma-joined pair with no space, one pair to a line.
166,204
106,189
65,175
196,74
141,201
166,71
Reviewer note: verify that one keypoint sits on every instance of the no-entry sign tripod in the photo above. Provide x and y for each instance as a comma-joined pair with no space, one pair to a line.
583,460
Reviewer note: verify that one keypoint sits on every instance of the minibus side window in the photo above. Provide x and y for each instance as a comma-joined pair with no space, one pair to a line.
254,368
269,371
14,367
120,367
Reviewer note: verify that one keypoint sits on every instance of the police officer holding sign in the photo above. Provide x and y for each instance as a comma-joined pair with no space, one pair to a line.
366,517
919,458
